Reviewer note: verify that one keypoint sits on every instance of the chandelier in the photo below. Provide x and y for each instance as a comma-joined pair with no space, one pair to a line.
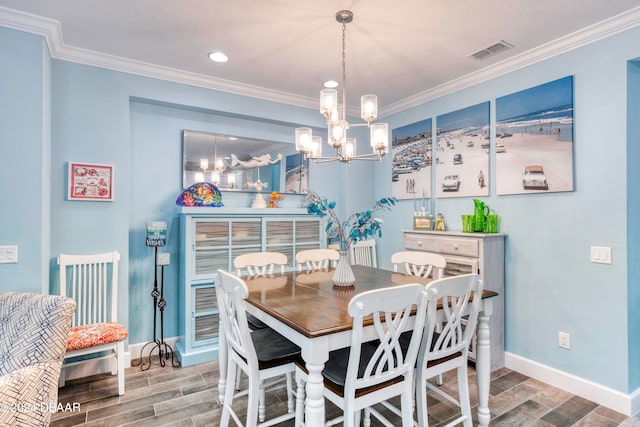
336,114
219,169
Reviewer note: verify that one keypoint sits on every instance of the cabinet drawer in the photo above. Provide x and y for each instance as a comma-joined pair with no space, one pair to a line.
462,247
418,242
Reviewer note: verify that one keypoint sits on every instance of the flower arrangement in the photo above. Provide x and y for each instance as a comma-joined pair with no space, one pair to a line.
359,226
273,199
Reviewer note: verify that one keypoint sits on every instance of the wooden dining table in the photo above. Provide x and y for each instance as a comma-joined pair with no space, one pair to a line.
310,311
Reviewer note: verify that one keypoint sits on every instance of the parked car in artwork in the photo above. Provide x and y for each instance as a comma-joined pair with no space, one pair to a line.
500,148
451,183
470,144
485,144
533,178
457,159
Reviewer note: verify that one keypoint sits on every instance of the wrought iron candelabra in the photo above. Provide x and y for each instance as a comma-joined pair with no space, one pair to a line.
159,304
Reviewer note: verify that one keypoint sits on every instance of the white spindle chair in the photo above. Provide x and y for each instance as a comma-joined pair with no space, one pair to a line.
367,373
262,355
317,259
92,281
422,264
363,252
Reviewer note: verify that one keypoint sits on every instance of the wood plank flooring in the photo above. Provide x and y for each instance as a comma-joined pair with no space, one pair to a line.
181,397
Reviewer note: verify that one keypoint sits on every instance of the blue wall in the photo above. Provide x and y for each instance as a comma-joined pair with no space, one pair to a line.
134,123
633,226
551,285
24,160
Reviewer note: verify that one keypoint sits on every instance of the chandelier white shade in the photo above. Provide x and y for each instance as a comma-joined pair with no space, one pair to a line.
336,117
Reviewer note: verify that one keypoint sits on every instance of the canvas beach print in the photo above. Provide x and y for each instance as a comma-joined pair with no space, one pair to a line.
534,139
297,174
462,152
411,162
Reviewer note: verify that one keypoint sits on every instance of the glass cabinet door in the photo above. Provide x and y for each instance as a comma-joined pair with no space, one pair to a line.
205,314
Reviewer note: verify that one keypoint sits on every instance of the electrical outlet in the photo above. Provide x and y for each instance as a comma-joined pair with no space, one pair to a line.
163,258
564,340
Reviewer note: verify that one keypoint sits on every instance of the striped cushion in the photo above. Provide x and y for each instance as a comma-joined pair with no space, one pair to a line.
96,334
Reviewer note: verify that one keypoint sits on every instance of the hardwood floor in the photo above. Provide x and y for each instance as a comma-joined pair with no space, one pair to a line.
188,397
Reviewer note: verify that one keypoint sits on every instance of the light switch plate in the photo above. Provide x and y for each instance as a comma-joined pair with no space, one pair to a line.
601,254
8,254
163,258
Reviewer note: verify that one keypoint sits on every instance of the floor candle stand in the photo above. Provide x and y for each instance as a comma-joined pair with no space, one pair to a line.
156,236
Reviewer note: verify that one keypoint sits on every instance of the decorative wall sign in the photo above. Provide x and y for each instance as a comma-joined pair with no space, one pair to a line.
534,139
462,152
411,162
90,182
297,174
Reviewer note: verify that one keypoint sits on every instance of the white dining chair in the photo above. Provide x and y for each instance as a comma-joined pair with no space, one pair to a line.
260,263
92,281
363,252
445,344
262,355
367,373
317,259
448,349
422,264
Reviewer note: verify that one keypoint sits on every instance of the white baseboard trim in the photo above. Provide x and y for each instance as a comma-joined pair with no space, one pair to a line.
101,365
627,404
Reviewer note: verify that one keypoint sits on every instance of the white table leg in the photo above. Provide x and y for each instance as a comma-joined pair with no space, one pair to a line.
222,363
483,364
314,410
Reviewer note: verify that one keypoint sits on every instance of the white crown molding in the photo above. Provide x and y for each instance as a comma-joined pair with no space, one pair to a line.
52,33
582,37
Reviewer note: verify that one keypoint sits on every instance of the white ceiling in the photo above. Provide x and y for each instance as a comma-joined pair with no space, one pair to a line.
405,51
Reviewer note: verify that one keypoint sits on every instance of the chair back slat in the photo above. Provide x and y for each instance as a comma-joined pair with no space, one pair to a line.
391,310
364,253
260,263
417,263
93,283
459,297
317,259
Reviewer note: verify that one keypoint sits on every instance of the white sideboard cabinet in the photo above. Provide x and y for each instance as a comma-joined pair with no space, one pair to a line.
471,253
210,239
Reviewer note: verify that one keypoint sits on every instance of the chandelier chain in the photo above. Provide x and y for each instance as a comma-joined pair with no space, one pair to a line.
344,69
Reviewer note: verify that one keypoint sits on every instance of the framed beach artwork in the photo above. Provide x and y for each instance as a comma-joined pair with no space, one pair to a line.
297,174
88,181
411,160
462,152
534,139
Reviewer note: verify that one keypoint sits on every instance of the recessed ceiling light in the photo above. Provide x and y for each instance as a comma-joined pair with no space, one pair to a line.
217,56
233,138
331,84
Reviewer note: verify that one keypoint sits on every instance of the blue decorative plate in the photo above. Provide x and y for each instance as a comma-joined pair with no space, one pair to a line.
200,194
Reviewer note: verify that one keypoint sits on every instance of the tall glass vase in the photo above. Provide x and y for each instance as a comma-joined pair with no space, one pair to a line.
343,276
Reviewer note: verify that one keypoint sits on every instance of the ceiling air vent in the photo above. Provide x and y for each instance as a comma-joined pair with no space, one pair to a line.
492,50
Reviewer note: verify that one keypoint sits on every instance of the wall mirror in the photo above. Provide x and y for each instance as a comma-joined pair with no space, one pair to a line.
235,163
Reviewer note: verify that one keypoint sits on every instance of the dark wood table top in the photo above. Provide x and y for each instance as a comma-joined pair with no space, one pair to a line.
309,303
